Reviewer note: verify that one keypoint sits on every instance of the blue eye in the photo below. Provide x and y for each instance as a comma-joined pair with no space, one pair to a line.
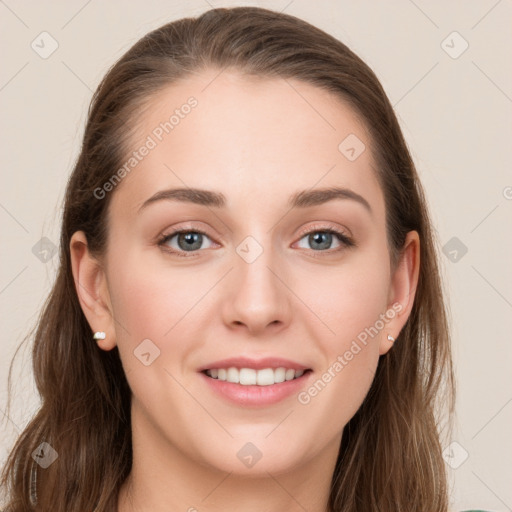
321,240
186,241
191,241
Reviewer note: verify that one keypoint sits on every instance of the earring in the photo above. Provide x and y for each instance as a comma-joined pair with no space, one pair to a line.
390,338
99,335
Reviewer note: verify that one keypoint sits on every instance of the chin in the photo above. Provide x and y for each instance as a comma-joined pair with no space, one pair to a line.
253,456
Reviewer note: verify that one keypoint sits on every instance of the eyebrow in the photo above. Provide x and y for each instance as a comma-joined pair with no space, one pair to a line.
302,199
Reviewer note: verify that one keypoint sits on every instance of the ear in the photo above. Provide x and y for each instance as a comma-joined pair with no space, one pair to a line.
91,288
404,282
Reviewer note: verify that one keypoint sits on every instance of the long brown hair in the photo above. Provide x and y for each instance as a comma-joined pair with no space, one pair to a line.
390,455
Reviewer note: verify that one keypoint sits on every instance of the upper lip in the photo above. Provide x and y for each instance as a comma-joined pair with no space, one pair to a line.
256,364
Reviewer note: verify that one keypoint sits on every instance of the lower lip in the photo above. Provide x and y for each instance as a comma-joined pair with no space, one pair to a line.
256,395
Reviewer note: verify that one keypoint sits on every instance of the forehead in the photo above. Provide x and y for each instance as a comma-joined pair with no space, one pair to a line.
248,137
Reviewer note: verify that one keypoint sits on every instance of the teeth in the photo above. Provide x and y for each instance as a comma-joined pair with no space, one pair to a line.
279,375
265,377
251,377
248,376
233,375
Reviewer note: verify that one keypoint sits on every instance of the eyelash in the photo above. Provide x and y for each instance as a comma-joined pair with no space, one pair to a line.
346,241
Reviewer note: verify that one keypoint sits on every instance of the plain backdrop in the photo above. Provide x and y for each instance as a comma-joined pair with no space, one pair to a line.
446,69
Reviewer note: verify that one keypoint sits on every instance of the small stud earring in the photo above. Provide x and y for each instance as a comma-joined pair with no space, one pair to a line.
99,335
390,338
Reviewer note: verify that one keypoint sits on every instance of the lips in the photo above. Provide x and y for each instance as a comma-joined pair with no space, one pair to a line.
255,364
254,382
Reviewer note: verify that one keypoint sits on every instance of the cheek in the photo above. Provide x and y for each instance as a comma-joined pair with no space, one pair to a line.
348,300
153,307
149,300
156,303
351,302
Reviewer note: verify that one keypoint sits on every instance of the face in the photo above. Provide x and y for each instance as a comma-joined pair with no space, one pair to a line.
277,268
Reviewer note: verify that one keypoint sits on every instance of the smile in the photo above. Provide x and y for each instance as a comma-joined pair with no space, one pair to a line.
253,377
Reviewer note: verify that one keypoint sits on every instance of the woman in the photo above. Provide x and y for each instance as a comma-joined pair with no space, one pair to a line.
248,313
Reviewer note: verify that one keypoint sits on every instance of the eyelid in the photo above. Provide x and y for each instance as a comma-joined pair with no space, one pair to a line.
326,226
182,228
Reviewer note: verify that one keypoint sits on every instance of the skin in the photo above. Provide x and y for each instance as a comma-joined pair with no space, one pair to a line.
257,141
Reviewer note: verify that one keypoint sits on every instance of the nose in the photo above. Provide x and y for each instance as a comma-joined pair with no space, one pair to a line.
257,299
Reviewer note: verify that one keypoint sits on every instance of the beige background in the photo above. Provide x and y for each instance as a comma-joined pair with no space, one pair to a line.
455,113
